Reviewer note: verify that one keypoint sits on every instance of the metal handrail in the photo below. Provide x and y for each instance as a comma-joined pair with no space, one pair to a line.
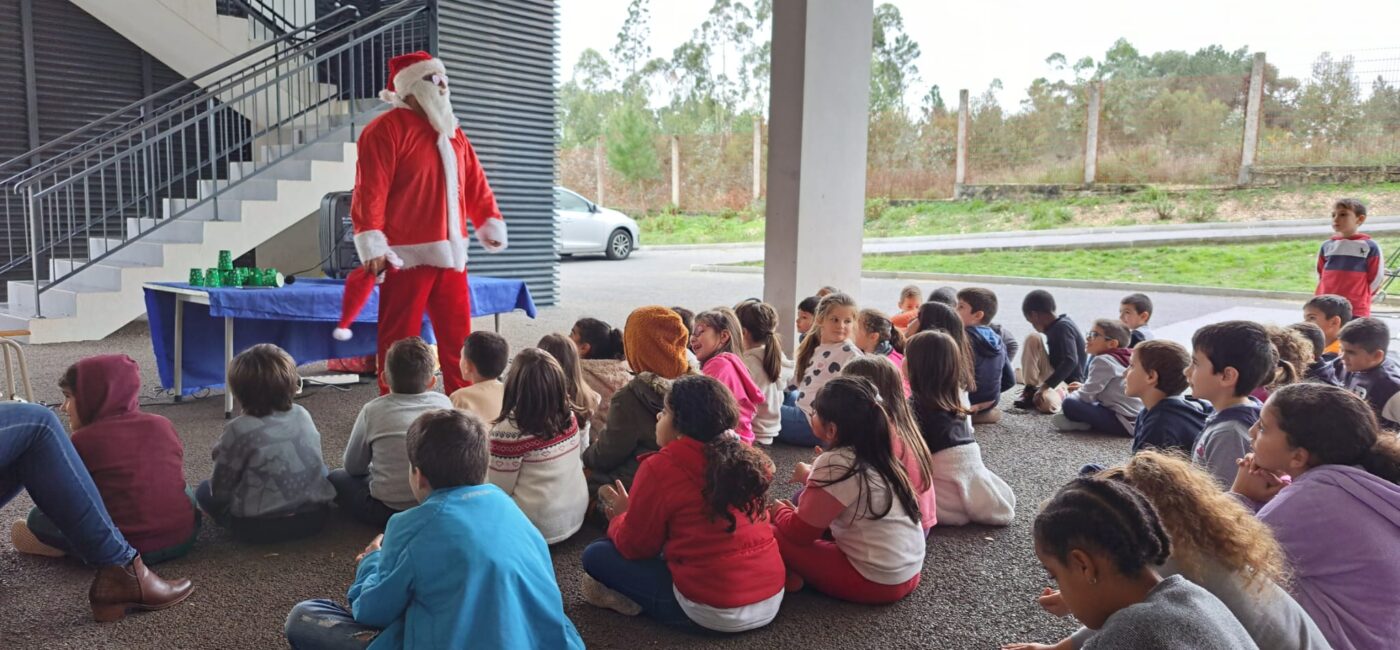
187,103
140,104
149,163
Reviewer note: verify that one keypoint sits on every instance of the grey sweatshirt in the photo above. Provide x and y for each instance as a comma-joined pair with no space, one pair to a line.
378,444
270,466
1271,617
1177,615
1105,386
1225,439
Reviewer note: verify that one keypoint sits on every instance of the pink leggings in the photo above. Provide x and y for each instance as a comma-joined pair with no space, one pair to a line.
823,566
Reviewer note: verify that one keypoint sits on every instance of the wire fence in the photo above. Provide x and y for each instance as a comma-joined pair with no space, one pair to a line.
1164,130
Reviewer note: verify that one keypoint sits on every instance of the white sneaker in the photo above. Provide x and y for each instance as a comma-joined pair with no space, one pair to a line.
599,595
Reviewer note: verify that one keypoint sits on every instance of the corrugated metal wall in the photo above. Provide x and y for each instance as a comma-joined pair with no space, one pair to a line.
502,57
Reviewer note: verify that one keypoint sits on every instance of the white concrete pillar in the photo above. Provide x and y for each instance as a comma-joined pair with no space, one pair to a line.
676,171
960,162
757,158
1091,133
1251,119
598,170
817,122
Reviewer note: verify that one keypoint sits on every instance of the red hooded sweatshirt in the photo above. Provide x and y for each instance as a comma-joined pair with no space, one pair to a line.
135,458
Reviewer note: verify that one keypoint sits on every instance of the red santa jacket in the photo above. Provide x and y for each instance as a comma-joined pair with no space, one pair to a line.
406,171
667,512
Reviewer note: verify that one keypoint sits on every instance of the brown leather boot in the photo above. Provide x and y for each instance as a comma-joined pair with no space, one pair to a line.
117,589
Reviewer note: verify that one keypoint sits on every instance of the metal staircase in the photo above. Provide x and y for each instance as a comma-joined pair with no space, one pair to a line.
226,159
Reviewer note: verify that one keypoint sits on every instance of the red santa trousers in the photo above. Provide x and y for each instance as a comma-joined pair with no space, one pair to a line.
405,294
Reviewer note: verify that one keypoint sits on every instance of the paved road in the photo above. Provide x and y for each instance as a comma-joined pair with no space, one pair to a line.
1115,237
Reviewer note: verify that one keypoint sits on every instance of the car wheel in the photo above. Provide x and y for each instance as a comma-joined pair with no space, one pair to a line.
619,245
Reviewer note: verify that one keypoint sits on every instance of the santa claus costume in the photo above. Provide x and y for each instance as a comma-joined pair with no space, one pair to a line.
417,182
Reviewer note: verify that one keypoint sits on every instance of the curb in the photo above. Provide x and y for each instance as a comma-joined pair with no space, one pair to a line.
1068,283
1064,232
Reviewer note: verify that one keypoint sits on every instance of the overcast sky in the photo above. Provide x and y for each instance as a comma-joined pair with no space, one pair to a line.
967,44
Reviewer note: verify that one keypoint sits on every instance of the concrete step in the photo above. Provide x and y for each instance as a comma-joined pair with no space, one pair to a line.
290,169
176,231
149,254
106,274
60,300
334,151
228,209
12,318
254,188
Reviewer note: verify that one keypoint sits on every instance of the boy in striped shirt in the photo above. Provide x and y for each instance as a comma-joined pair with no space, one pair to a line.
1349,264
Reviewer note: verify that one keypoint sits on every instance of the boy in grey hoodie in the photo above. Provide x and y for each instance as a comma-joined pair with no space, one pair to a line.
1100,403
1230,360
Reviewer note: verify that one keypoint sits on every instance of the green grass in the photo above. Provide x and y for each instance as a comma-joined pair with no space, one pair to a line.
1284,266
954,217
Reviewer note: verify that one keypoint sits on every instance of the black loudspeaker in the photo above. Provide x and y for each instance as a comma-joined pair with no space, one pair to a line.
337,236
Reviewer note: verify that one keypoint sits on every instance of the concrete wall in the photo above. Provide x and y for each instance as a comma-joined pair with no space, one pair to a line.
296,248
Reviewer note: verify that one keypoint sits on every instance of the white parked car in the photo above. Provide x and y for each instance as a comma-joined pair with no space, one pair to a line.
585,227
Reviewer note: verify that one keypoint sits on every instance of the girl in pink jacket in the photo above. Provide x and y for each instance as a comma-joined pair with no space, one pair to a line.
714,341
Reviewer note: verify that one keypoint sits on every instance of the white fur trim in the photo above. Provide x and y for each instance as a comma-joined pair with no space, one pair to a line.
371,244
342,334
441,254
390,97
494,228
454,202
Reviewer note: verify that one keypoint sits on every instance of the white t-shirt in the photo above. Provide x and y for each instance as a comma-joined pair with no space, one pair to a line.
888,550
825,365
733,619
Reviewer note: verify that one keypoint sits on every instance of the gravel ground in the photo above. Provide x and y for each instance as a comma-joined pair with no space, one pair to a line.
978,583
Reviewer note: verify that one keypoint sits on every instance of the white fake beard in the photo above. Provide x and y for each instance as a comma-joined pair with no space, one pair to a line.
436,104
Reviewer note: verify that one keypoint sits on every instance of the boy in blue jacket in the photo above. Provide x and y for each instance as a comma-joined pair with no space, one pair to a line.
991,360
463,568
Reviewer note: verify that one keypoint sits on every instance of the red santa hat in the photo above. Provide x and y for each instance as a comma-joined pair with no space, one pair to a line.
358,287
405,69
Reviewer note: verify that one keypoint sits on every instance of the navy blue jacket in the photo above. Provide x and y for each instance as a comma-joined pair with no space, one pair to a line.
990,364
1173,424
1065,345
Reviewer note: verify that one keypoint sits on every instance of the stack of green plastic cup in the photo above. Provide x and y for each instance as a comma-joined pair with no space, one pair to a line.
213,278
225,261
196,277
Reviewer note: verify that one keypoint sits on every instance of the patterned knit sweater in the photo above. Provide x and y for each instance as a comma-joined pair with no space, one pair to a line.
543,475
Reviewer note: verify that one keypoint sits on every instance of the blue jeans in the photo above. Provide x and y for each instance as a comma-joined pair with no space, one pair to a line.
647,582
45,531
262,530
1094,414
36,455
325,625
796,428
352,495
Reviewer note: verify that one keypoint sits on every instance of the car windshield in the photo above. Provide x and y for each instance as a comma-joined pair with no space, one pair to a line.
568,201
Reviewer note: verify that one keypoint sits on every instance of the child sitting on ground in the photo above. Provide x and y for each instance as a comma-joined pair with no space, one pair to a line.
500,591
1365,368
484,358
1315,367
655,342
806,316
876,334
910,297
535,447
1338,521
1055,354
1102,541
269,482
583,398
1329,313
688,320
1350,264
1134,312
876,555
909,446
820,358
1295,354
1100,403
373,485
602,362
1215,544
136,461
768,367
966,491
1229,361
991,361
1168,420
715,340
938,317
690,543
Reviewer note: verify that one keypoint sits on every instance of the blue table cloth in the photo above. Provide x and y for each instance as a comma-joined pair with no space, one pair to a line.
298,318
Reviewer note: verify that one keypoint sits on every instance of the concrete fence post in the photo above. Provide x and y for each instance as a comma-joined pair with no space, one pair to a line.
1091,133
757,158
960,168
676,171
598,170
1251,119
